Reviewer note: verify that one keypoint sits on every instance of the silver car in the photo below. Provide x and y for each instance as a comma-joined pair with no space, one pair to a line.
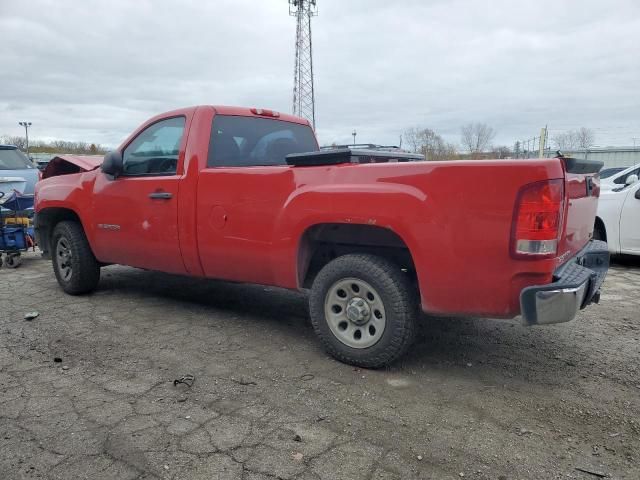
16,171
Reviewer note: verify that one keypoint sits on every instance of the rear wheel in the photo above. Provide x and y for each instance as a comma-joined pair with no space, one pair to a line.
74,264
364,309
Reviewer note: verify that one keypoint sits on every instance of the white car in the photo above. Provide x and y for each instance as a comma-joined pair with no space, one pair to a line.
618,219
617,179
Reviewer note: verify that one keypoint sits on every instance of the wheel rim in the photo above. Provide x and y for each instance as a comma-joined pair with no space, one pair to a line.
63,258
355,313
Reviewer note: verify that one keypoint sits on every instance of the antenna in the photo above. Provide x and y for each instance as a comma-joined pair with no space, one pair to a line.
303,95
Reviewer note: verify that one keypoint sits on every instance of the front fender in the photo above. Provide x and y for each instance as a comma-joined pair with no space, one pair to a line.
67,192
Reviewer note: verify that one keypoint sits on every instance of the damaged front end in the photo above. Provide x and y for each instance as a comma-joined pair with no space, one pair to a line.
69,164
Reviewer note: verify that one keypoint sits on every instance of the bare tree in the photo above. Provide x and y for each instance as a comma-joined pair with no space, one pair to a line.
428,143
411,137
476,137
13,140
585,137
564,141
574,139
55,146
501,151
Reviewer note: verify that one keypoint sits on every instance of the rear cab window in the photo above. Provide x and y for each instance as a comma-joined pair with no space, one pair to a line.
238,141
14,159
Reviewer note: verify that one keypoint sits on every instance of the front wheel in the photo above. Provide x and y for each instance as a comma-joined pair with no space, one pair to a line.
364,309
74,264
13,260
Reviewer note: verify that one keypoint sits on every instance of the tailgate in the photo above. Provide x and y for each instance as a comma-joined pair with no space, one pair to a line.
582,187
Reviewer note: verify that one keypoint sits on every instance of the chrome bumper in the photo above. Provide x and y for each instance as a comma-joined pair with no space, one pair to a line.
576,284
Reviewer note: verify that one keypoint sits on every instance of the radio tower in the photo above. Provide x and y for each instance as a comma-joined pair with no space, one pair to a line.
303,97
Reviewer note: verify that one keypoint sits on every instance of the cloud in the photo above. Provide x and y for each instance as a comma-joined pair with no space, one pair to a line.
94,70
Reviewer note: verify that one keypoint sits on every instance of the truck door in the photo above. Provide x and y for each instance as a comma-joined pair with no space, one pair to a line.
241,193
136,215
630,221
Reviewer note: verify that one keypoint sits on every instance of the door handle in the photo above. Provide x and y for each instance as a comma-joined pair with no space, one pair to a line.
161,195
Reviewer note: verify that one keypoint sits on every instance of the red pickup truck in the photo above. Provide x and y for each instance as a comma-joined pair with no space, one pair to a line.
246,195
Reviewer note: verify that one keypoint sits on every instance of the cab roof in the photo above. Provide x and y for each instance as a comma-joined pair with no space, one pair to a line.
239,111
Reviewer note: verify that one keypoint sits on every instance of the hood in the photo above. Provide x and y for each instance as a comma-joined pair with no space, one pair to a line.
67,164
9,184
22,181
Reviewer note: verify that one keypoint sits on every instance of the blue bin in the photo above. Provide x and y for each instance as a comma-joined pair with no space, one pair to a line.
12,238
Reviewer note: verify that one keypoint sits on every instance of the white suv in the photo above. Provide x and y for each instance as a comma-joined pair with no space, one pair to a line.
618,219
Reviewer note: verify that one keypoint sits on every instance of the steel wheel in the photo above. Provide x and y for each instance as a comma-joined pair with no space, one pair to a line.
355,313
63,258
74,264
364,310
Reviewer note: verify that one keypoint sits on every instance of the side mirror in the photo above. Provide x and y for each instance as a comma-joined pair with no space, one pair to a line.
631,179
112,164
638,194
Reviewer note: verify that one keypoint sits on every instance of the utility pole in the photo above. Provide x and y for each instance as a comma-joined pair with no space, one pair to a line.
546,138
26,126
634,141
303,94
543,141
354,133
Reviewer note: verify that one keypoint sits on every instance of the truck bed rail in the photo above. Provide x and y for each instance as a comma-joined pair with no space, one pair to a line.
349,155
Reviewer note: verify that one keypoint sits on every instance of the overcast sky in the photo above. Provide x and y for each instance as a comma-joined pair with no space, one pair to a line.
93,70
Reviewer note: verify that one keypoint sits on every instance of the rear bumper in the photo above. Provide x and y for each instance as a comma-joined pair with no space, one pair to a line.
576,285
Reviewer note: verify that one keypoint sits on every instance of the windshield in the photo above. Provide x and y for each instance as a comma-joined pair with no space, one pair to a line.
608,172
13,159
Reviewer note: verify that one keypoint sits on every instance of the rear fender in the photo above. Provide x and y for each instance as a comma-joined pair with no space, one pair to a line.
394,206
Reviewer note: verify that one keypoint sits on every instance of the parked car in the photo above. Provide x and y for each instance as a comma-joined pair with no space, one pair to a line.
618,219
245,195
16,169
620,179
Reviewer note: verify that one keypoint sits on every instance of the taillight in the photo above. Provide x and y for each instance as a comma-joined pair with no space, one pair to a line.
537,220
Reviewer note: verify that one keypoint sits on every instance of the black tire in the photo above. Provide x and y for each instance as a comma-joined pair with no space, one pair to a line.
599,233
398,295
13,260
84,272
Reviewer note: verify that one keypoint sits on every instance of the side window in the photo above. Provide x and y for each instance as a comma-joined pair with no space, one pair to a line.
155,150
238,141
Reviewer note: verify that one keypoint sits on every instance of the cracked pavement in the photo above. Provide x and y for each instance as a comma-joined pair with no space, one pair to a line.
480,399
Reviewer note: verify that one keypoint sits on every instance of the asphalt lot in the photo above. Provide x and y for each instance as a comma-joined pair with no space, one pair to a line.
479,399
